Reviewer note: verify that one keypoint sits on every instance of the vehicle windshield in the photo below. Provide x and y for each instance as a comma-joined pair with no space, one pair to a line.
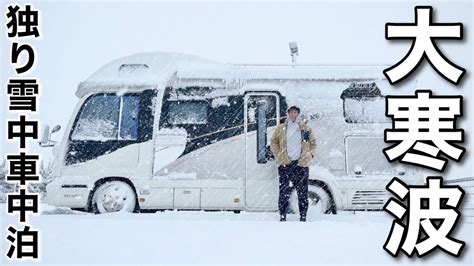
108,117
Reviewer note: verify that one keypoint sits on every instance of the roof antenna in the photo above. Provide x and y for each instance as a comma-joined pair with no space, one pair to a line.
293,52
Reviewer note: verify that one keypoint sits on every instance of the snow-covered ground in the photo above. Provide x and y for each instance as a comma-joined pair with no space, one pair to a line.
69,237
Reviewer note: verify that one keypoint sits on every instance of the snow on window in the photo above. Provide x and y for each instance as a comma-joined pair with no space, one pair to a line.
364,103
365,110
95,129
220,101
101,116
98,119
188,112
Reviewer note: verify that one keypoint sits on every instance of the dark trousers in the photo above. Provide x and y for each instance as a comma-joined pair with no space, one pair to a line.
299,178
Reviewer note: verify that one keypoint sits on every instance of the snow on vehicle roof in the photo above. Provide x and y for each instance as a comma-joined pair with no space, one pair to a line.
285,72
156,70
140,70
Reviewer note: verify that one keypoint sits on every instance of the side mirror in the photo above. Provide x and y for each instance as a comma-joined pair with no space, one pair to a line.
56,129
262,132
45,140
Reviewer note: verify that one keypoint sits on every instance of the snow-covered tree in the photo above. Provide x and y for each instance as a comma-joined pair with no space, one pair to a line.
46,173
3,171
3,174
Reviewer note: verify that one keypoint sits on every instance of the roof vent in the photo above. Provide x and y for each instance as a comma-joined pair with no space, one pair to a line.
132,69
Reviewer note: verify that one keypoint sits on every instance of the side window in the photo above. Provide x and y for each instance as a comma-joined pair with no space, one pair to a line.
369,110
129,124
270,102
363,103
188,112
108,117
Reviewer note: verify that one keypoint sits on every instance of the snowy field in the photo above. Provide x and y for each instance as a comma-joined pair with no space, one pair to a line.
69,237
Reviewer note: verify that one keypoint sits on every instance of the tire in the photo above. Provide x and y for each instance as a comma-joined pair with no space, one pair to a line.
319,202
114,196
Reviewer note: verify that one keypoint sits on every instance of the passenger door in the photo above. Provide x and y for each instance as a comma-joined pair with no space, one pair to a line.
262,114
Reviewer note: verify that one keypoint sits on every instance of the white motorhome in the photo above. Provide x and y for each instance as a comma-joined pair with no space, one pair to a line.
172,131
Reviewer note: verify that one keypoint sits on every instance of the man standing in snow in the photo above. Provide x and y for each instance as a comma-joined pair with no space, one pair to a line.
293,144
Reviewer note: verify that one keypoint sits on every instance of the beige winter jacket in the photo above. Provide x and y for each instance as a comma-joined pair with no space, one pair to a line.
278,145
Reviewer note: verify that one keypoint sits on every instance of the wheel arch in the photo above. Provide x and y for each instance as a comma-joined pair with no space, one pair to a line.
104,180
328,190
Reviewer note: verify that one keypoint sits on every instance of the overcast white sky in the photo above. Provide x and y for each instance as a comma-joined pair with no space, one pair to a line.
79,37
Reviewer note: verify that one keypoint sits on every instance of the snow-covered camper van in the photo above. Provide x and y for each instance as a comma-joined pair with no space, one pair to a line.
172,131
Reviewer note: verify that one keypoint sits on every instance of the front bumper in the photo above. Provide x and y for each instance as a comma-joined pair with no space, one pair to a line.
67,194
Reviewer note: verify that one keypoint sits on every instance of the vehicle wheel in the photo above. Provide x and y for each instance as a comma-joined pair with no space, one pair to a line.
319,201
114,196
